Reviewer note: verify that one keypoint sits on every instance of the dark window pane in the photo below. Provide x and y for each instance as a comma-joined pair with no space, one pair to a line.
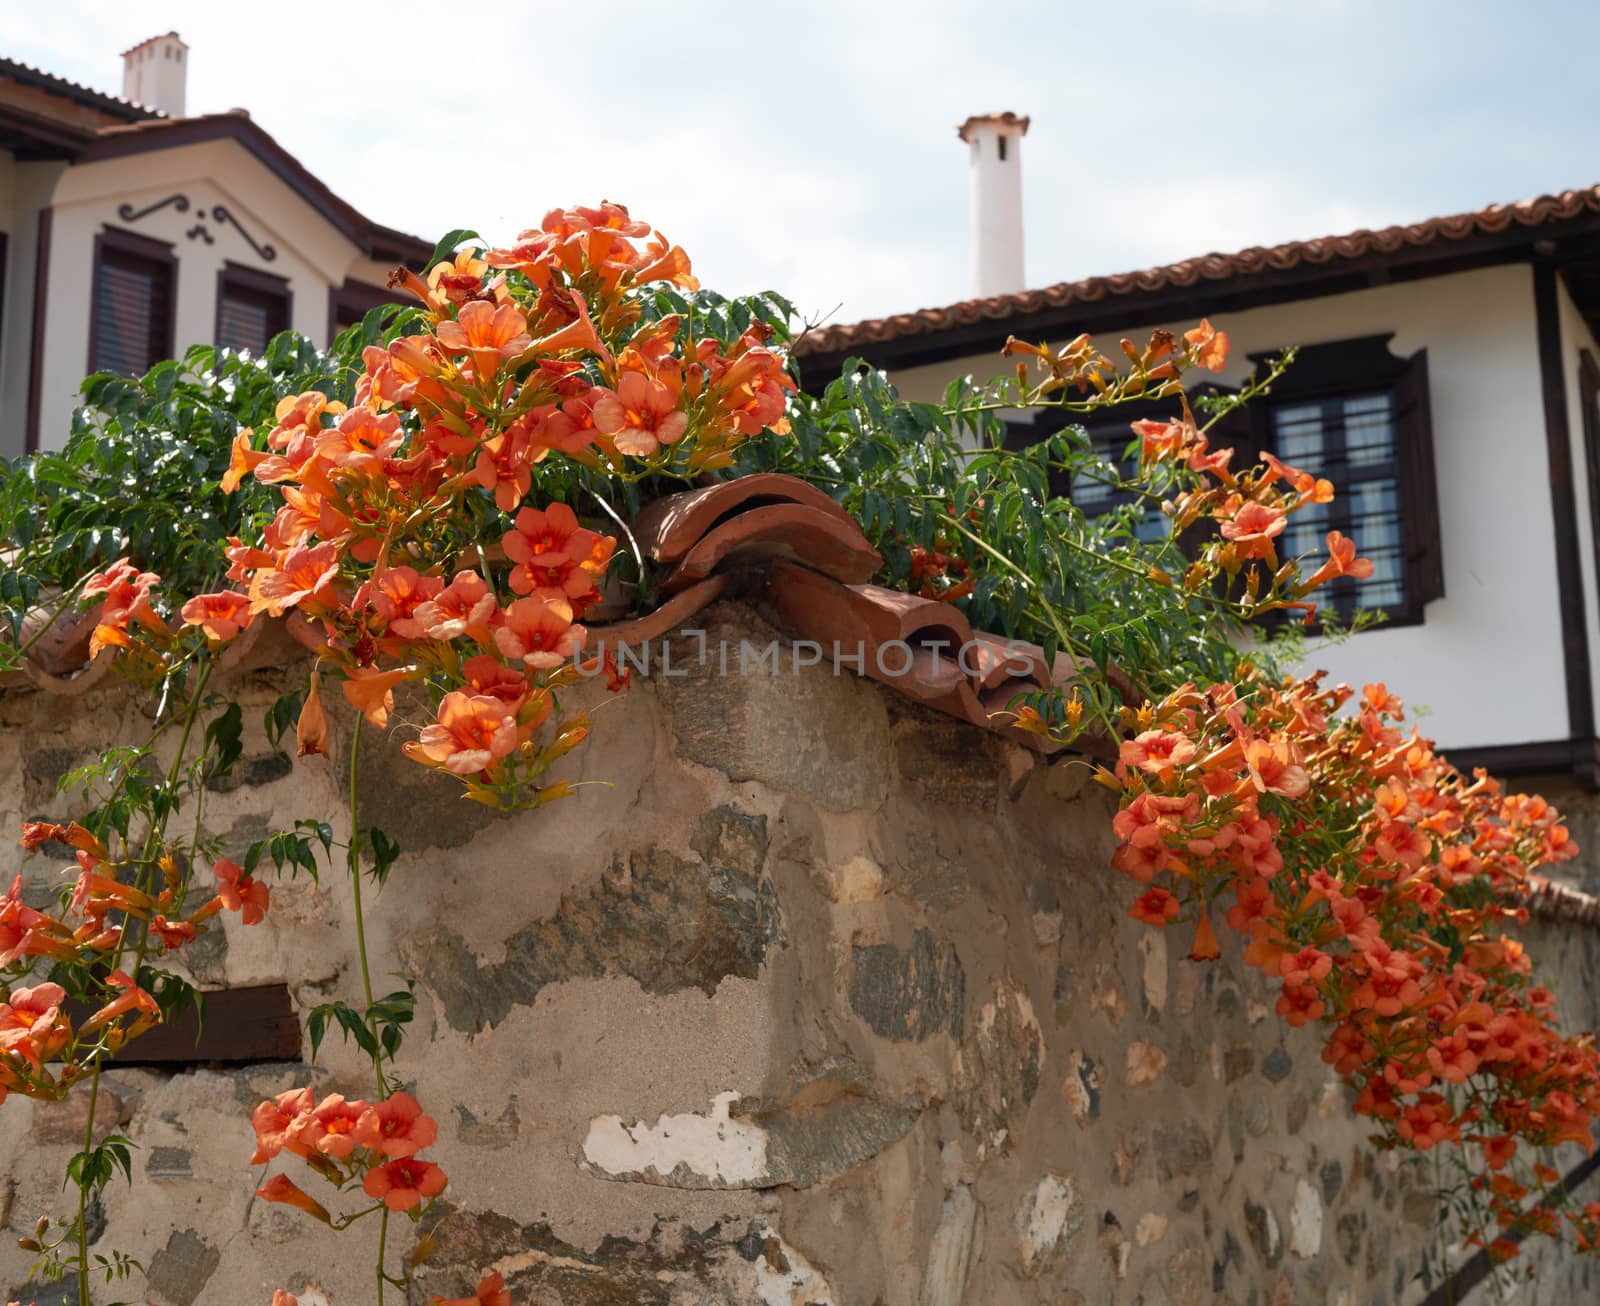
1097,498
1350,440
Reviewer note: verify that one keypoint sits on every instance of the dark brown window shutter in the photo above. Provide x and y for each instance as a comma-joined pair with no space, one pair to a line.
252,307
1413,425
132,312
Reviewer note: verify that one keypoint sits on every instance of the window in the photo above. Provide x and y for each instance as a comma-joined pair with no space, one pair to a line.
1354,413
351,302
1110,433
252,307
134,288
1349,411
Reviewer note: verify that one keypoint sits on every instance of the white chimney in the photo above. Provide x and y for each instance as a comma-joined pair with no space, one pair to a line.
154,73
995,140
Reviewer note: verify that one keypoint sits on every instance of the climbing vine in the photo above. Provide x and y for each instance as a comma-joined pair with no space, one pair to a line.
435,506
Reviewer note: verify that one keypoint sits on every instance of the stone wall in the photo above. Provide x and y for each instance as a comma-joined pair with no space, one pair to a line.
825,999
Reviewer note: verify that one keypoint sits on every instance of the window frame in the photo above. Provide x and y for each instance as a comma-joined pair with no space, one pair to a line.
130,244
253,281
1363,365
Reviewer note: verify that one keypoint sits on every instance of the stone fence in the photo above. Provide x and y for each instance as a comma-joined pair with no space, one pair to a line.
818,999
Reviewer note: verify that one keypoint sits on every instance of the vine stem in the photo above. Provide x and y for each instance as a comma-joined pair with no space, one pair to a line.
353,860
151,844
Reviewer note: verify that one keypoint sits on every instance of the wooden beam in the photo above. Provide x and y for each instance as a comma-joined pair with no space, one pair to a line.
241,1026
1564,513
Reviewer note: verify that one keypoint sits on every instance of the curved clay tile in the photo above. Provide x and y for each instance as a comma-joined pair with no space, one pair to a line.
668,528
64,645
663,621
797,531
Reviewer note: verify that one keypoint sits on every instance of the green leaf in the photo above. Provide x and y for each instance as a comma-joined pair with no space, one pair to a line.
448,244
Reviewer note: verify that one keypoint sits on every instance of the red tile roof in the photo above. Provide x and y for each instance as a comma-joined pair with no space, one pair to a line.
113,105
1212,270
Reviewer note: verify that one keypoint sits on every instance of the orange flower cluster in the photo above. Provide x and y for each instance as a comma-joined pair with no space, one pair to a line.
544,346
1250,510
347,1141
35,1031
1375,883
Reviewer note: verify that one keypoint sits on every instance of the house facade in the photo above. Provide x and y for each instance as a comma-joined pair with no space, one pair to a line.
1448,383
129,232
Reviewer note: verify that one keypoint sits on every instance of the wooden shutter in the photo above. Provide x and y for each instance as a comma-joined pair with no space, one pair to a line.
1413,428
252,307
131,327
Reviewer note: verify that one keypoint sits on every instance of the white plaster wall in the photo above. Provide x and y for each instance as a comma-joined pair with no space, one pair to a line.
311,254
1487,662
24,189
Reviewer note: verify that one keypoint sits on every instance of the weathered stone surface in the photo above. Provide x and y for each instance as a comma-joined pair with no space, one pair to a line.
919,868
668,923
169,1163
1237,1062
947,763
998,1067
950,1254
1305,1221
1262,1227
1181,1148
181,1269
1146,1063
64,1293
830,1124
1276,1065
1331,1176
1050,1216
417,807
733,1263
1081,1087
909,993
812,733
253,772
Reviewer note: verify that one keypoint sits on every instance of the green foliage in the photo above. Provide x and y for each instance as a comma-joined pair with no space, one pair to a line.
93,1169
377,1033
291,849
141,472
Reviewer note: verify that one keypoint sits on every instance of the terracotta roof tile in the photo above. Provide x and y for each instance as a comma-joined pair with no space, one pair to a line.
77,91
1207,269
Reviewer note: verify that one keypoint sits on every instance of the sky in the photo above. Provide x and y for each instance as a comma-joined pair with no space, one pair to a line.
811,148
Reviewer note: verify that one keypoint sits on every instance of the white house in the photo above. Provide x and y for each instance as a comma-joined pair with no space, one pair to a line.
129,232
1448,383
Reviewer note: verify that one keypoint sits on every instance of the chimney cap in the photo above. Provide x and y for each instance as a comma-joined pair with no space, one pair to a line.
1006,119
151,40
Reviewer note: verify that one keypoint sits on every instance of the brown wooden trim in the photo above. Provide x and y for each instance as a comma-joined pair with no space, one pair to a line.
131,242
5,249
232,274
1564,509
1589,401
241,1026
41,300
1544,757
374,239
